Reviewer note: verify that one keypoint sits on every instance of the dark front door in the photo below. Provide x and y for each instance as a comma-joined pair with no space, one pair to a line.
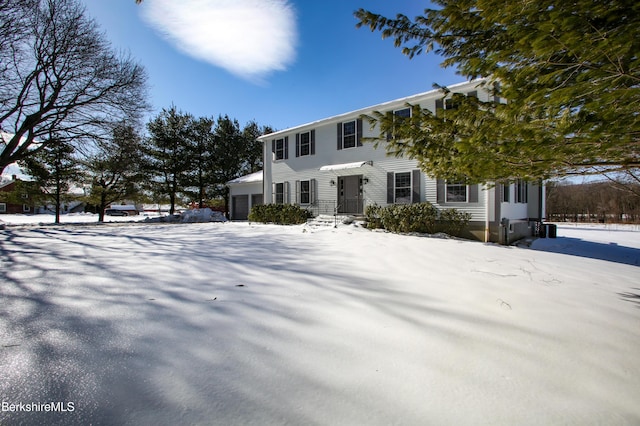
350,194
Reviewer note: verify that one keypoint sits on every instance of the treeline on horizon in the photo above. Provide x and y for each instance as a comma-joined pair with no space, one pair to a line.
597,202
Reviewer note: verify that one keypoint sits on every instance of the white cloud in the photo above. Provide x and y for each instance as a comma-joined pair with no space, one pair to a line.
249,38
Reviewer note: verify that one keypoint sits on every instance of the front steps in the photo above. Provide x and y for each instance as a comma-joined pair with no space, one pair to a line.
331,220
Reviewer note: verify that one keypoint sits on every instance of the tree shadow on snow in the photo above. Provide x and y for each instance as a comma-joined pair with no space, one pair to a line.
632,297
611,252
161,326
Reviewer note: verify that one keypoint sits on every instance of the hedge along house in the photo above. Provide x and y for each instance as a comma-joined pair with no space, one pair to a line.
324,166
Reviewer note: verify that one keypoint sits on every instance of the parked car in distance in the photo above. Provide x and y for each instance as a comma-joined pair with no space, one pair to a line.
116,212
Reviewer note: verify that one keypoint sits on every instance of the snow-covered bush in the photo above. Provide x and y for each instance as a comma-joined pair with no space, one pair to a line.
281,214
202,215
418,217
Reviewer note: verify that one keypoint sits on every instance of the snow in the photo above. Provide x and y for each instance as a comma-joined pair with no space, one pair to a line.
238,323
71,218
345,166
250,178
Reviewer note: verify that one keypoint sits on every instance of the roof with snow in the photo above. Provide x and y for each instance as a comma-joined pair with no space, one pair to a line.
367,110
250,178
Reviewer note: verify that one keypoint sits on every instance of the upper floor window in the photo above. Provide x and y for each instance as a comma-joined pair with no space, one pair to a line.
280,148
452,103
350,134
306,143
398,116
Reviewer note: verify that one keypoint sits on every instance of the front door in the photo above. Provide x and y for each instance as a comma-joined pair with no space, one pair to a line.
350,194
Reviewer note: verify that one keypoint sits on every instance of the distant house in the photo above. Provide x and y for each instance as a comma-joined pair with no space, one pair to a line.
122,210
244,193
324,166
6,207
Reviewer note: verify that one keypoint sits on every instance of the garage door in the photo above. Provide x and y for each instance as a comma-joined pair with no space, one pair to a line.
240,206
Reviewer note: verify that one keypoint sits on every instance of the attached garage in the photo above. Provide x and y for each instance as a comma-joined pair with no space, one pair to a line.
244,192
240,207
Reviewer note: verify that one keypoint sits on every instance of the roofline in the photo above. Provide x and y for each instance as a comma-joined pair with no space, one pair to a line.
361,111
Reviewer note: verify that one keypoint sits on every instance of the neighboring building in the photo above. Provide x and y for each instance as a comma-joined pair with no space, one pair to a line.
244,193
6,207
122,210
325,167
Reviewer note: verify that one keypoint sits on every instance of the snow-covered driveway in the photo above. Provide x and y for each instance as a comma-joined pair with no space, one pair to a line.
257,324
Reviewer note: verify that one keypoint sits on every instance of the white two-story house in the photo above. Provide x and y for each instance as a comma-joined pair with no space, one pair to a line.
327,167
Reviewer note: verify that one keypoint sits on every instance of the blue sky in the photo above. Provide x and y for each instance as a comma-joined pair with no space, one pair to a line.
279,62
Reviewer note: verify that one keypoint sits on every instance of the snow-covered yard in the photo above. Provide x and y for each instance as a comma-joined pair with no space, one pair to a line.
234,323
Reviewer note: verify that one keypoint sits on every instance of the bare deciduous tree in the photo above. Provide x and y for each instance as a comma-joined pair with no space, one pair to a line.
60,75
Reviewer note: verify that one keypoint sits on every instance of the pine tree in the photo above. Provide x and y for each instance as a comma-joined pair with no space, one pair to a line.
114,169
569,71
200,177
166,159
54,169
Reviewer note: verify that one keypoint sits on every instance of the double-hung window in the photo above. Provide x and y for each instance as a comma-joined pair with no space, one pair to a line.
398,116
305,191
506,193
280,148
278,195
456,192
403,188
522,193
350,134
305,143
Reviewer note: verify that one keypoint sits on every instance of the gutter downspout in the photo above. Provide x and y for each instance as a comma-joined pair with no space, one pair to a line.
486,217
540,200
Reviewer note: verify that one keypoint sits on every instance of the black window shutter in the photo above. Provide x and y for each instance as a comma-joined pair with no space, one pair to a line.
391,184
439,106
440,191
273,146
339,136
286,147
313,142
473,193
359,132
415,186
297,144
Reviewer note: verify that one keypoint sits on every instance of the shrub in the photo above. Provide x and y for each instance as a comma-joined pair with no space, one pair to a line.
373,216
453,222
410,218
419,217
281,214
